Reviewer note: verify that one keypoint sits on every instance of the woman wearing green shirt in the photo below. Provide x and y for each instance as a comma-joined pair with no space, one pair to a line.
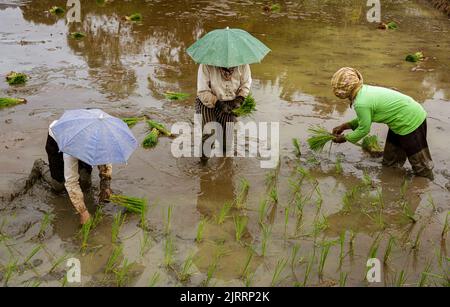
406,119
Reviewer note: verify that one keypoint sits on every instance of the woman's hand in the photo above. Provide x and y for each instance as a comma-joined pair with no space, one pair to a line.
224,106
340,129
339,139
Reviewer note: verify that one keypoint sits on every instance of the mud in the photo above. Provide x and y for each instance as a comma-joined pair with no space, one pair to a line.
126,68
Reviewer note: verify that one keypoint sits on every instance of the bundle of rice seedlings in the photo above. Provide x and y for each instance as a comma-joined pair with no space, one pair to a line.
16,78
176,96
160,127
6,102
132,204
372,146
275,8
136,17
388,26
131,121
77,35
57,10
416,57
319,138
247,107
151,139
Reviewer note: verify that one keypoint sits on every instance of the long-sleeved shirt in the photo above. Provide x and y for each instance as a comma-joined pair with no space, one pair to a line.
211,86
376,104
72,176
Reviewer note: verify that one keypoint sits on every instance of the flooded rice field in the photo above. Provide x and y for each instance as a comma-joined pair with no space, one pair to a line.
312,221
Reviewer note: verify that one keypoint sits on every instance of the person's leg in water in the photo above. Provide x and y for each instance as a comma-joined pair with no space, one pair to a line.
227,120
41,170
207,115
394,155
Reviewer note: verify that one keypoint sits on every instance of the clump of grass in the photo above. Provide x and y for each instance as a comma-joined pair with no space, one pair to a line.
168,252
151,140
297,148
118,221
201,229
266,234
154,279
158,126
46,221
319,138
6,102
176,96
85,232
186,268
131,121
132,204
223,213
241,197
57,10
77,35
416,57
372,145
135,17
16,78
279,268
247,107
240,222
113,260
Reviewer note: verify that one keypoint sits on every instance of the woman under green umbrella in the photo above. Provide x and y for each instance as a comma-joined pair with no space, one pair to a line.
224,77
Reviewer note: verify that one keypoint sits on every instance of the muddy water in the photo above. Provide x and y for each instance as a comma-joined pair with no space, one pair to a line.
126,68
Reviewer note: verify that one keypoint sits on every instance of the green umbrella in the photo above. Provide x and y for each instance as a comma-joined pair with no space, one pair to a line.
228,48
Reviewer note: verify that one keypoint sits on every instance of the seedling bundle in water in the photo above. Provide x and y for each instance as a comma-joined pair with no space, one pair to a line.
416,57
319,138
15,78
151,140
132,204
131,121
10,102
247,107
136,17
56,10
176,96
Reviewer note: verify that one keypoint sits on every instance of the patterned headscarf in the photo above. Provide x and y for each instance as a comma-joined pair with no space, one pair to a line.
346,83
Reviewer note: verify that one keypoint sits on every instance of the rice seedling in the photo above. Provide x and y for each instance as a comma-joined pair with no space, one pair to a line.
122,274
446,227
247,107
64,281
212,268
262,211
145,243
57,10
77,35
323,257
168,252
279,268
131,121
186,268
154,279
201,229
241,198
6,102
380,197
403,189
275,8
113,260
248,260
319,138
151,140
367,180
10,269
416,57
297,149
371,145
431,202
248,279
348,200
266,234
176,96
118,221
168,224
158,126
271,179
98,217
135,17
308,269
387,253
132,204
45,223
401,279
424,276
85,232
57,263
240,222
407,212
338,166
416,244
273,195
223,213
286,220
373,251
343,279
352,241
16,78
33,252
319,225
341,245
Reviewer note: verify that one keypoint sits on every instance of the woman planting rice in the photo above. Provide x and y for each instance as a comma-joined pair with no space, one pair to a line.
406,119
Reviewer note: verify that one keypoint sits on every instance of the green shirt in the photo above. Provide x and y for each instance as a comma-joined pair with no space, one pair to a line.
376,104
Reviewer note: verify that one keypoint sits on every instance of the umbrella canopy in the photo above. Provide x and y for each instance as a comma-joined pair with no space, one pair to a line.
228,48
94,137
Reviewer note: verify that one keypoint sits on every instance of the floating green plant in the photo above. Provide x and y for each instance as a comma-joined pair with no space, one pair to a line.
279,268
176,96
118,221
135,17
223,213
16,78
240,222
6,102
241,198
57,10
416,57
160,127
247,107
297,147
132,204
77,35
319,138
151,140
201,229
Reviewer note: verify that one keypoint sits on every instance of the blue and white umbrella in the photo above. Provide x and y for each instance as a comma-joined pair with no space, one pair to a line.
94,137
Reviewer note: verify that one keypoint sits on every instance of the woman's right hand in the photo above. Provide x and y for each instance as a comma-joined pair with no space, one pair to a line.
340,129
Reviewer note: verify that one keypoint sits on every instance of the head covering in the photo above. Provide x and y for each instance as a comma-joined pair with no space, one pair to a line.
346,83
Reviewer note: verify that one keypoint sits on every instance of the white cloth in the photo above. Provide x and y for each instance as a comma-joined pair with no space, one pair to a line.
211,86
